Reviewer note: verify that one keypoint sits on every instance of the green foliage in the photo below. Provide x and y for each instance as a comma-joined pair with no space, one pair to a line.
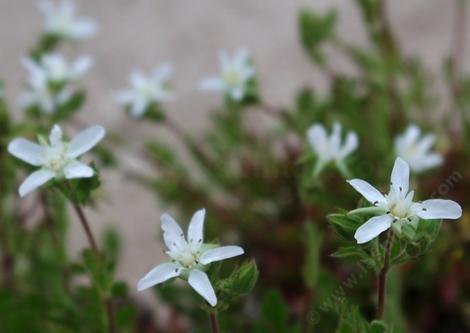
275,315
313,239
240,283
315,30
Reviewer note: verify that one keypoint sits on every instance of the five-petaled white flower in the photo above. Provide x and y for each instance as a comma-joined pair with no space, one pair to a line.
234,77
415,149
189,257
146,91
397,206
331,149
56,158
61,20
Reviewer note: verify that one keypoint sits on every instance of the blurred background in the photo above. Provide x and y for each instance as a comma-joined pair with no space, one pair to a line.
144,33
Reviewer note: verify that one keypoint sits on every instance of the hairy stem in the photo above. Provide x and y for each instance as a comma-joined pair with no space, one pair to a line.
86,228
91,239
382,278
214,322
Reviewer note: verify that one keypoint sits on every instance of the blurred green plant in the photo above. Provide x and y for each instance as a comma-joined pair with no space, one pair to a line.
254,171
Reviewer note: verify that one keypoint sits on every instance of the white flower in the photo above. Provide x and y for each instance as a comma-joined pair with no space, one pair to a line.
51,69
397,206
188,257
235,74
39,94
331,149
61,20
55,69
146,90
415,149
56,158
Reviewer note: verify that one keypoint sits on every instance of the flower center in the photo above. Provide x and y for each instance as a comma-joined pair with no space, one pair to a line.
187,258
412,150
399,209
232,77
56,157
148,90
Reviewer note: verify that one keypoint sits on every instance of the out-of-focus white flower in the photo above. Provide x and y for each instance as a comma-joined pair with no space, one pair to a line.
189,257
397,206
416,149
39,94
51,70
55,69
56,158
234,76
331,148
146,91
61,20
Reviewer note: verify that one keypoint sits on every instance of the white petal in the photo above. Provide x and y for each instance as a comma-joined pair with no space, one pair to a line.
85,140
367,190
372,228
137,78
78,169
46,7
438,209
237,93
400,176
163,72
27,151
350,145
124,97
212,84
138,107
335,139
220,253
170,225
318,140
241,57
35,180
81,66
159,274
432,160
55,136
173,235
426,143
201,284
411,135
83,29
196,228
35,71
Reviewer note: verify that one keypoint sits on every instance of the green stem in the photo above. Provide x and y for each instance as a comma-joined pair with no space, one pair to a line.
382,278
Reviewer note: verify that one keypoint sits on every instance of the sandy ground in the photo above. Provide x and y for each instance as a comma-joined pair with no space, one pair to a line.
144,33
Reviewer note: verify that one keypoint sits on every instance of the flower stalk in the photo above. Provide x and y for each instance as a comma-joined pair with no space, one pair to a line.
382,277
94,247
214,322
86,227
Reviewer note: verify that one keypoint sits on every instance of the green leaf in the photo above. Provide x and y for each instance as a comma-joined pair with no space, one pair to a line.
119,289
241,282
345,225
314,31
